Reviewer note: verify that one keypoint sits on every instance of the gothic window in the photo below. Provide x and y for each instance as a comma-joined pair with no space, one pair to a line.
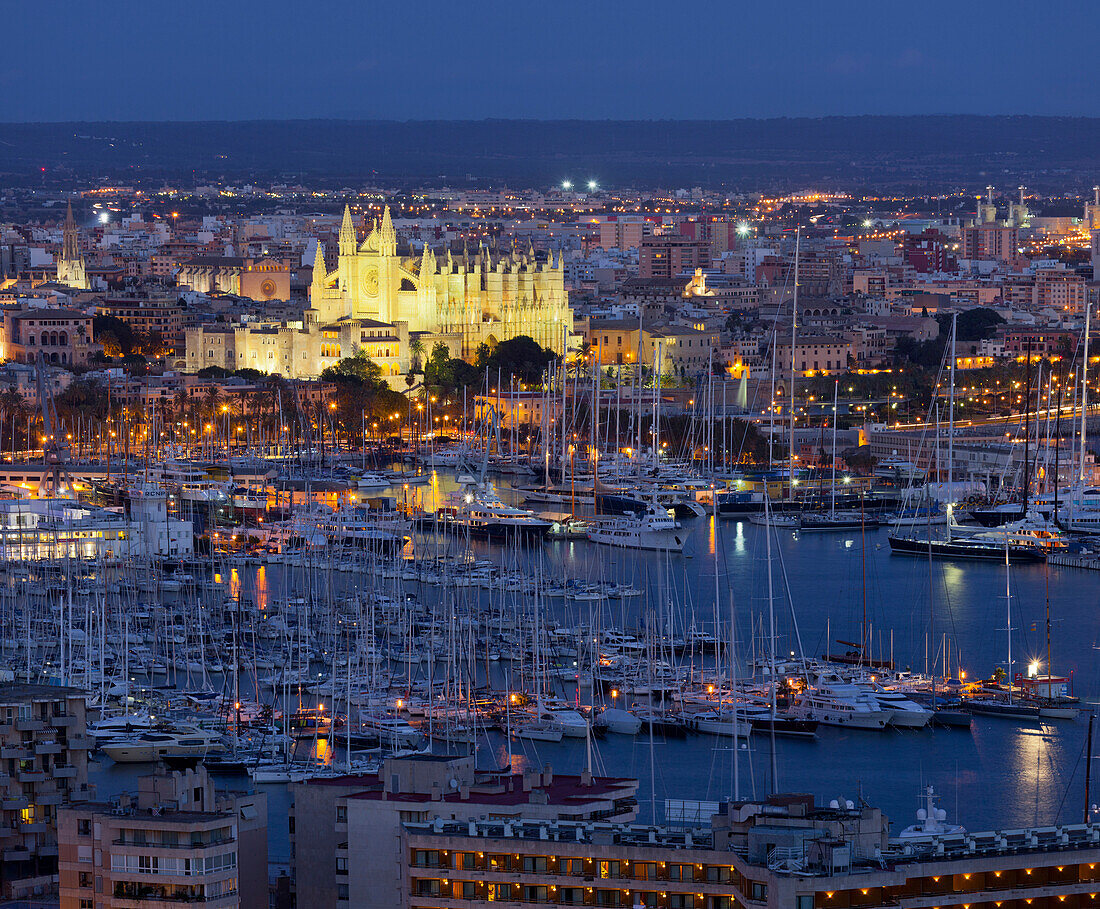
45,338
63,339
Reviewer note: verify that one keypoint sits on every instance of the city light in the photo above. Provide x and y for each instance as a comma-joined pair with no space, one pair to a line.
592,186
567,185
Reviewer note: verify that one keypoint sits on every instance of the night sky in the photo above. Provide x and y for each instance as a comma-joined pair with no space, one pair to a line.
199,59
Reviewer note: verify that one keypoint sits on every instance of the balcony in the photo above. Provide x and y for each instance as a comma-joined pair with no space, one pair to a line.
48,748
18,752
16,855
29,724
16,804
31,776
68,721
78,743
64,772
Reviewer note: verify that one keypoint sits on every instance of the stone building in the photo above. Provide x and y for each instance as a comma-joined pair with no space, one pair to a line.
376,300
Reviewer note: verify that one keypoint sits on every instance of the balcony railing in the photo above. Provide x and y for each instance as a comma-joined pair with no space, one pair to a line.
145,844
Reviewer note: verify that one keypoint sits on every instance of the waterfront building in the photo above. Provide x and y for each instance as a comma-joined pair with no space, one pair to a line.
64,528
177,841
346,832
784,852
43,768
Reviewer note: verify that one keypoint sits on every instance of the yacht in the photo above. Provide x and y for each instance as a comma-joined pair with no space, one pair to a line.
573,724
477,509
156,744
392,730
839,704
653,530
546,730
811,521
373,482
725,721
904,712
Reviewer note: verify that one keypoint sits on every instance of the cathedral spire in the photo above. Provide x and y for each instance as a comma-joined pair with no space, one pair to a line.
70,239
388,235
348,241
320,270
427,262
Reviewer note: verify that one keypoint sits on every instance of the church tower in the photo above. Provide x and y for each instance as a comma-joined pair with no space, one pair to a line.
71,269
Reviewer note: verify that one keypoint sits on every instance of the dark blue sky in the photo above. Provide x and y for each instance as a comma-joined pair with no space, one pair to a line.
620,59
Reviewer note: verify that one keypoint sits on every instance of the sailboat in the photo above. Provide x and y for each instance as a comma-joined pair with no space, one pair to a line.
950,546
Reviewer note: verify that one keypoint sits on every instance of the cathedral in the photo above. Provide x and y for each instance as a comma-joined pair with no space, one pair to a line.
377,301
71,269
471,299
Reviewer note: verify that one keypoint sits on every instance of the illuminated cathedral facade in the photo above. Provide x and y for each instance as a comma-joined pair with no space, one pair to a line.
469,300
376,301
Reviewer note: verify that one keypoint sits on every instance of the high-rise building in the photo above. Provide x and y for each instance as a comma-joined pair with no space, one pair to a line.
178,841
669,255
990,241
43,767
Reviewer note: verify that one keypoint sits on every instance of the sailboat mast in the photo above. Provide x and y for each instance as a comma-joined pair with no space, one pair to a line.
951,427
1084,397
836,389
794,331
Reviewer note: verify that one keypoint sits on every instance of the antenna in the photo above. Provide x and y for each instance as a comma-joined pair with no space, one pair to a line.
989,193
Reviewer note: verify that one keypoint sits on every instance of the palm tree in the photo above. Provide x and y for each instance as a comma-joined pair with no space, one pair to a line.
416,348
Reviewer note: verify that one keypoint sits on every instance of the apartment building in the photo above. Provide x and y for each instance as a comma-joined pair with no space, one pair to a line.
43,767
669,255
783,853
177,841
990,241
345,832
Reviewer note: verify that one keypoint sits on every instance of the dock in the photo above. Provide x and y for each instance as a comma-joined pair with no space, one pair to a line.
1064,560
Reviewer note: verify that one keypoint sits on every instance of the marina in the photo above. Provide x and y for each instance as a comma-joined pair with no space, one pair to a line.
566,651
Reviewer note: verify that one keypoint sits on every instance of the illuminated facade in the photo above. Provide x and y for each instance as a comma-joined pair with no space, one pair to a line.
376,300
473,299
71,269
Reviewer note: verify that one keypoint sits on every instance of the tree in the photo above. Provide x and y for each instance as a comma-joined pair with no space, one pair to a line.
416,348
522,357
972,325
438,370
115,335
358,368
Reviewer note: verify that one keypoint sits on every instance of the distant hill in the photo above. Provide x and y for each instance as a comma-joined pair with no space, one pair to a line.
899,152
